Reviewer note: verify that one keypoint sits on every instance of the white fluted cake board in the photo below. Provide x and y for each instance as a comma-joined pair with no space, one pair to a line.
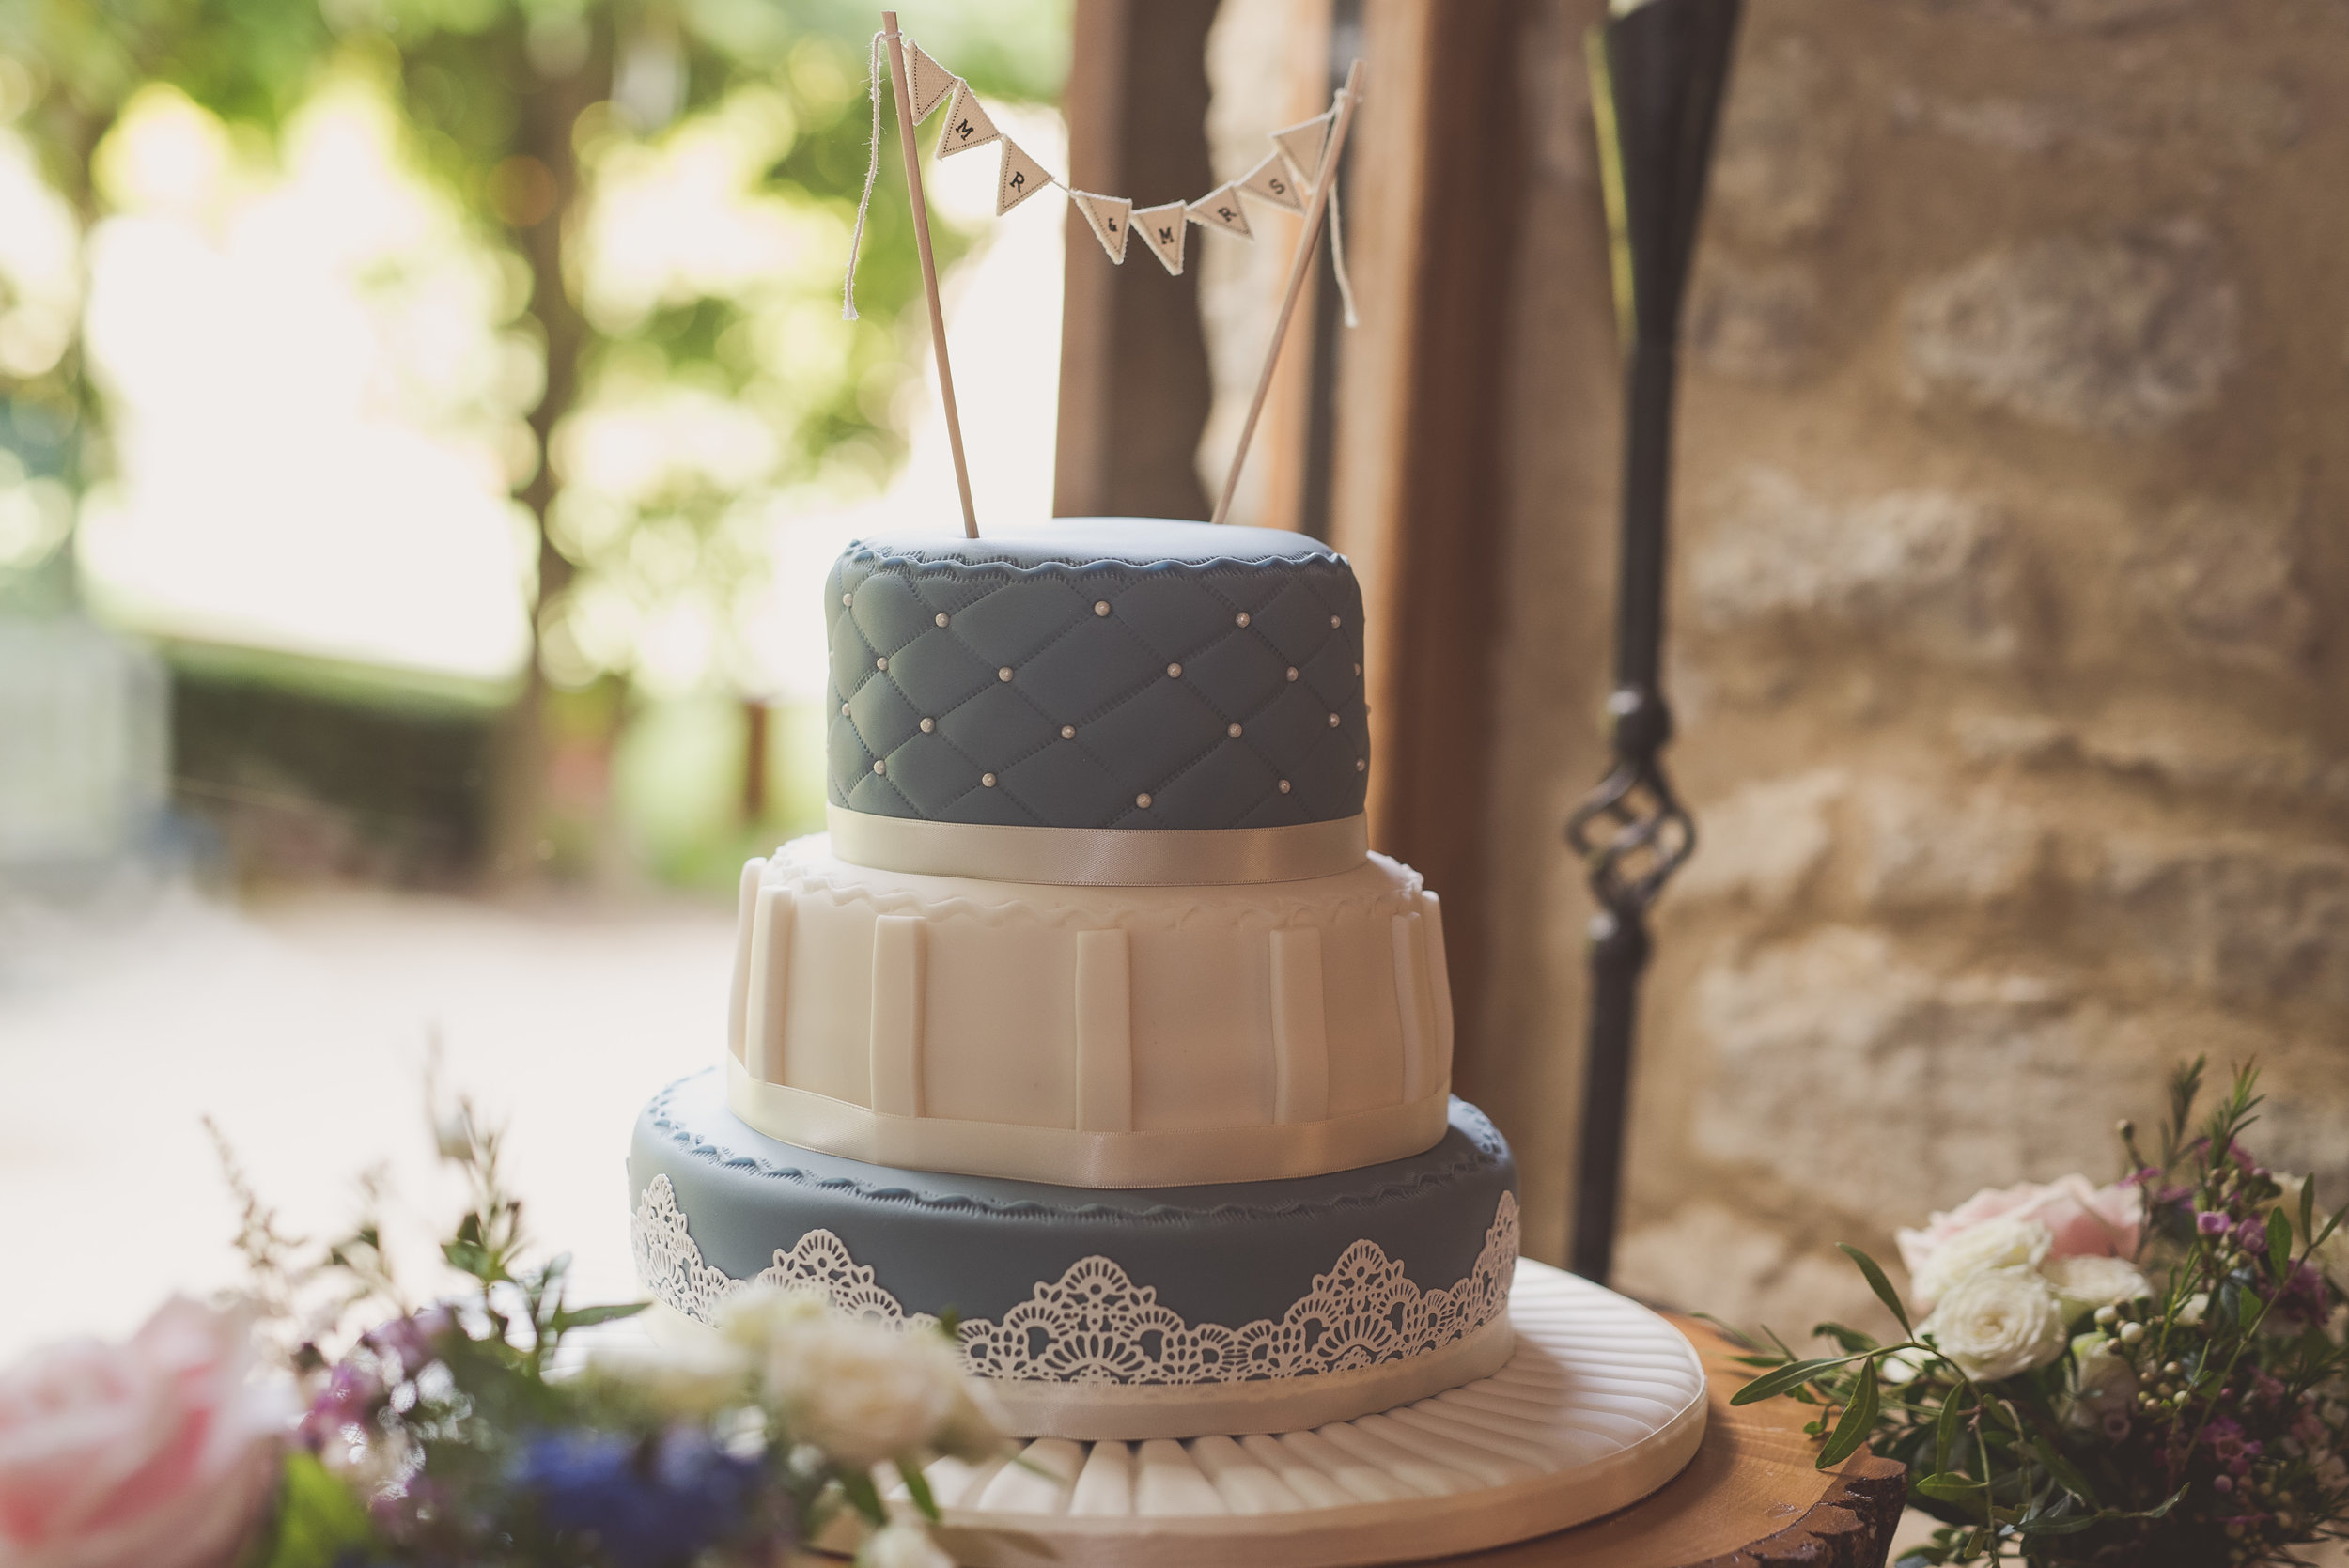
1602,1403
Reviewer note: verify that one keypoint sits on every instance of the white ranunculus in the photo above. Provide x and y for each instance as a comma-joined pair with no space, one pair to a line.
1997,1322
2103,1384
1993,1244
2084,1284
863,1391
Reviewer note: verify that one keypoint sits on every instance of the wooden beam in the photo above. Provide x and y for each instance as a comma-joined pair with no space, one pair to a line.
1419,490
1134,386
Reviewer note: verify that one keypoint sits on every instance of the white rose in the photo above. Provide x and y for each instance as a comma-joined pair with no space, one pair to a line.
1997,1323
901,1544
2196,1305
1993,1244
2103,1384
2084,1284
863,1391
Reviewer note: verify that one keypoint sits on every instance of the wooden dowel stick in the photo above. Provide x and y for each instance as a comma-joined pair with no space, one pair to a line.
929,266
1308,247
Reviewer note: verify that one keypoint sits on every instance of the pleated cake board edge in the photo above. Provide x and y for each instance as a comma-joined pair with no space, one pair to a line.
1358,1535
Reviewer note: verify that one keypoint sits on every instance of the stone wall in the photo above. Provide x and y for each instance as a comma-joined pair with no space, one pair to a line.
2007,636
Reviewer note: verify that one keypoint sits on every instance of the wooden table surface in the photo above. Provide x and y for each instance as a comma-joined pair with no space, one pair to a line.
1750,1498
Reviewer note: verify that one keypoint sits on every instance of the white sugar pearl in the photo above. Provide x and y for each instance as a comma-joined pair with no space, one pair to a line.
1358,669
1232,732
1240,619
1142,801
1333,621
1068,732
1292,672
929,724
1284,786
882,663
987,779
1174,671
847,598
939,618
1003,673
844,710
1360,766
1100,607
1334,720
879,766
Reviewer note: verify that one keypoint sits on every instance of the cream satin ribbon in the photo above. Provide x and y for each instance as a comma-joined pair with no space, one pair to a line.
1067,1158
1099,857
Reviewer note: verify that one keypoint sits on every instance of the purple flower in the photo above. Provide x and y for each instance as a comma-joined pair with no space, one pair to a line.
2251,1235
2211,1222
2303,1298
350,1399
409,1344
653,1504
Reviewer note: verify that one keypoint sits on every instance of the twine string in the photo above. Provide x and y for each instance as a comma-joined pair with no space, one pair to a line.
872,168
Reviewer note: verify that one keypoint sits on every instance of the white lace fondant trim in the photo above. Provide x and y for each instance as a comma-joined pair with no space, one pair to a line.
1095,1324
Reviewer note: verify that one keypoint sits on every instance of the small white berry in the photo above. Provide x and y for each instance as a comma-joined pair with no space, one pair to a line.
2132,1332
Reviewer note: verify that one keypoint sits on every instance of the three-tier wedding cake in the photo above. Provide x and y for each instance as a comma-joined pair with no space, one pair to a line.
1092,1019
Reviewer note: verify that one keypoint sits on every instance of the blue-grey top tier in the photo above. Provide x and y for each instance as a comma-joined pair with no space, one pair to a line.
1089,665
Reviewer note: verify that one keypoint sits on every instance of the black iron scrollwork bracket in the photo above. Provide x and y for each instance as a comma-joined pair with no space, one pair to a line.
1660,69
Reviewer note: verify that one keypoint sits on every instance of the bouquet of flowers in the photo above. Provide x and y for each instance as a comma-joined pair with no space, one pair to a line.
501,1426
2147,1373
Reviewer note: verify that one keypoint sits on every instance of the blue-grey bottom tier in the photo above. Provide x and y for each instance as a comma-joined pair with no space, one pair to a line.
1128,1314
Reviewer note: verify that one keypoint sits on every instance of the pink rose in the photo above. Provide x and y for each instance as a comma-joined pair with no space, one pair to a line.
2082,1221
158,1453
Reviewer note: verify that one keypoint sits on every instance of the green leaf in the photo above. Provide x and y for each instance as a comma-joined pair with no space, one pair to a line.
319,1521
1859,1422
1945,1487
862,1496
918,1485
1945,1432
588,1318
1878,1282
2066,1475
2308,1206
1794,1376
2071,1524
471,1257
2278,1247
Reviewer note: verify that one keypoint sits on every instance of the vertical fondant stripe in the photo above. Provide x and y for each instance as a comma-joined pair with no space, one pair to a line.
770,984
1438,985
1105,1033
1404,929
737,1004
1301,1044
898,952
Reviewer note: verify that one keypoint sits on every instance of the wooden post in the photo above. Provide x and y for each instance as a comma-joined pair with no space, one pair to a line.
929,265
1326,181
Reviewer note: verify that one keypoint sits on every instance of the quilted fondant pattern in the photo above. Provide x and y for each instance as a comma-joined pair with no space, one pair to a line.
957,661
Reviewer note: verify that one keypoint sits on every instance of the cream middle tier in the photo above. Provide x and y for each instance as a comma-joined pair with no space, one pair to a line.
1096,1037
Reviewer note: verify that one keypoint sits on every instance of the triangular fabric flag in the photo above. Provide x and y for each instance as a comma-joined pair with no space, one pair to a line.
1109,216
1019,178
1302,145
1220,208
967,125
1270,184
927,81
1164,227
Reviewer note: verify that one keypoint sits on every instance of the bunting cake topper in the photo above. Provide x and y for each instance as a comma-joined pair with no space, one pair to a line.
1296,175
